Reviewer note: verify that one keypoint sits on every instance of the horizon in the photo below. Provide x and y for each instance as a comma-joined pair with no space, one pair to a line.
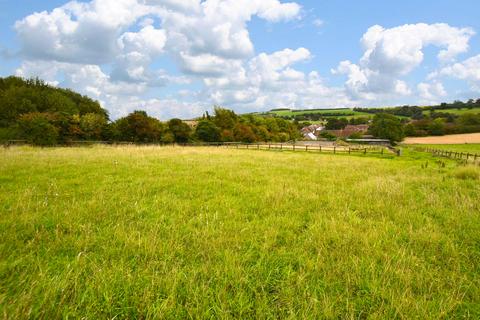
179,59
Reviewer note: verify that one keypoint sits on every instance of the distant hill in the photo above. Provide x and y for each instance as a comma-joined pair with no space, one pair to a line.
445,110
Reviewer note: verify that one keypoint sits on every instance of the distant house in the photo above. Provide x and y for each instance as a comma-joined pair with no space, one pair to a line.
311,132
191,123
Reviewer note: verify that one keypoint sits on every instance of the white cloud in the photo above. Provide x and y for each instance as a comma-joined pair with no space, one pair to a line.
431,92
318,23
78,32
393,53
112,50
269,80
468,70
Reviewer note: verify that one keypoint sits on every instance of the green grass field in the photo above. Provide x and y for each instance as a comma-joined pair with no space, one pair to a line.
347,112
456,111
151,232
471,147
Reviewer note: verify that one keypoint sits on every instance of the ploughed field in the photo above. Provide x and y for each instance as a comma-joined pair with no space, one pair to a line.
171,232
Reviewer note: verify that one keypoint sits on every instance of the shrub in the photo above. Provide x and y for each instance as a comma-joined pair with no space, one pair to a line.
356,135
327,135
207,131
37,128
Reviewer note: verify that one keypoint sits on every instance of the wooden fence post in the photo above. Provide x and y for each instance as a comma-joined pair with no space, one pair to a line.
293,146
320,149
306,148
365,152
334,150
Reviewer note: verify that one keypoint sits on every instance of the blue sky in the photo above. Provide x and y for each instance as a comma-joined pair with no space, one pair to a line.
178,58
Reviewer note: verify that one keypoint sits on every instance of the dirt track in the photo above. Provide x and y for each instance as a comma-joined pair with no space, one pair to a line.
451,139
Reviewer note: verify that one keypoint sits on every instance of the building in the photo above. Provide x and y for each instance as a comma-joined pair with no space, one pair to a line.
311,132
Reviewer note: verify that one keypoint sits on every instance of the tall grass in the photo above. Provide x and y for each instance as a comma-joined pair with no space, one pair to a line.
168,232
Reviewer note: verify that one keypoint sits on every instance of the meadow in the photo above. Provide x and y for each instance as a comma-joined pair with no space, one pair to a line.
171,232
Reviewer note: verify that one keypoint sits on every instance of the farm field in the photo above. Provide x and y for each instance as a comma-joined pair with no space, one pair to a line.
171,232
470,138
346,112
455,111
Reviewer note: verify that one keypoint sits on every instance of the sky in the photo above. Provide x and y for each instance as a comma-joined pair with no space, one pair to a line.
179,58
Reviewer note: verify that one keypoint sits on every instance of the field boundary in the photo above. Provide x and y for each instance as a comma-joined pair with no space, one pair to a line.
456,155
313,148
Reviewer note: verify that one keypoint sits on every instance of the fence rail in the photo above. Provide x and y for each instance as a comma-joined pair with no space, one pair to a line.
318,148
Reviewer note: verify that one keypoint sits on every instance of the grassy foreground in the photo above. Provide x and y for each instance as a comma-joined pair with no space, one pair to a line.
212,233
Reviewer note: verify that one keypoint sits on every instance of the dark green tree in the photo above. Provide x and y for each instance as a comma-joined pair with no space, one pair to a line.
138,127
387,126
37,128
207,131
180,130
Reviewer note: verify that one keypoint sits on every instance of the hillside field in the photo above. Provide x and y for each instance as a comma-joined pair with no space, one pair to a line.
171,232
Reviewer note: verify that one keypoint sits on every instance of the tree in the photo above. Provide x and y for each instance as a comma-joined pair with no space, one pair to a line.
138,127
437,127
207,131
387,126
180,130
336,124
244,133
224,118
92,125
37,128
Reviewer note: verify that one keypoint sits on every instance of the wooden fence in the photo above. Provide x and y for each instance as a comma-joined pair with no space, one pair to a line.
307,148
318,148
467,156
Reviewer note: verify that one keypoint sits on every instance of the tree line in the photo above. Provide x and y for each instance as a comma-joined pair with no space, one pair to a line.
41,114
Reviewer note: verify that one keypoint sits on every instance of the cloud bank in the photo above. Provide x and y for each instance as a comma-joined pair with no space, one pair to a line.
117,51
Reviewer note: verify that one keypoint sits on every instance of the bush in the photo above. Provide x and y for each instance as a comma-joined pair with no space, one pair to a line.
327,135
356,135
181,131
37,129
207,131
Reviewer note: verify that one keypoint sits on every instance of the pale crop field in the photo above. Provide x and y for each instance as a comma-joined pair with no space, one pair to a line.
449,139
152,232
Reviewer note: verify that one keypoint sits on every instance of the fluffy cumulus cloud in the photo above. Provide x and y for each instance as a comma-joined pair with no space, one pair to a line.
390,54
206,39
117,51
468,70
431,93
